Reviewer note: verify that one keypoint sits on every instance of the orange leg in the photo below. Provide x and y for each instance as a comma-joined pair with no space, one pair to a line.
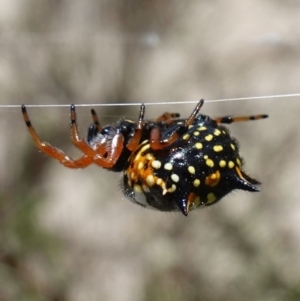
54,152
155,135
156,142
95,120
104,154
167,117
231,119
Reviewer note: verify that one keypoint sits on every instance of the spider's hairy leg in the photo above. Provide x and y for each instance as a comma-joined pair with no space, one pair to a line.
231,119
195,112
52,151
105,153
135,139
94,128
96,120
156,141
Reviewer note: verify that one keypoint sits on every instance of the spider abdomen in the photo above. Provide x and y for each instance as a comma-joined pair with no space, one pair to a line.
198,169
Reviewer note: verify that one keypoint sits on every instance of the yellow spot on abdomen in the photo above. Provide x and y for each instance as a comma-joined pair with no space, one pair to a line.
140,165
209,137
196,133
175,177
210,198
168,166
145,147
222,163
156,164
232,146
159,181
149,157
196,182
201,128
196,202
230,164
150,180
186,137
198,145
137,188
217,132
137,157
218,148
209,163
191,169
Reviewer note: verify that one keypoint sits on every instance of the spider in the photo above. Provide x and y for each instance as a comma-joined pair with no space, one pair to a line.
169,164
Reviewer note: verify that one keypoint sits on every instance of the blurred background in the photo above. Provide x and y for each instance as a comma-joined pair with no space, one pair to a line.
69,235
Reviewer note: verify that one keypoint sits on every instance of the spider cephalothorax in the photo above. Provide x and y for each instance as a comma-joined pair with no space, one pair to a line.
169,164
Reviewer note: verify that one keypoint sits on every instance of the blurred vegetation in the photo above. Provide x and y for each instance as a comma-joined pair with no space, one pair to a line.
29,256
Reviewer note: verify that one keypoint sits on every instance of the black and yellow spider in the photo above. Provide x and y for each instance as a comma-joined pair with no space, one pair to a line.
170,164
